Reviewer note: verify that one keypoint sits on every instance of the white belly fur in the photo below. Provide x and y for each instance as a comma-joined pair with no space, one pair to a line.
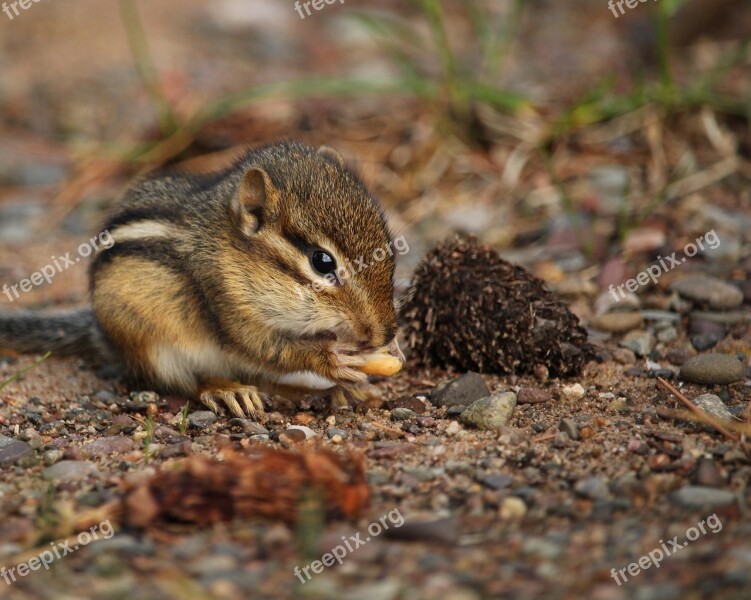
305,379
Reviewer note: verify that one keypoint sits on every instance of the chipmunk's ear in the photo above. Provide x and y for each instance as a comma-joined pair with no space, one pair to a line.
254,197
332,154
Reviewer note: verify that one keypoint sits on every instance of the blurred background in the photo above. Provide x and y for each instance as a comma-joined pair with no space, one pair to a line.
575,139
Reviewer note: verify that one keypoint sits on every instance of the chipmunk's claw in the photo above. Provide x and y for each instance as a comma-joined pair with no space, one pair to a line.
242,400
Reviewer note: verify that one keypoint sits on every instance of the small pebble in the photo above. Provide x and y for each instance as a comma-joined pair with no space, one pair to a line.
496,481
698,326
713,406
250,427
624,356
490,413
116,444
453,428
699,496
331,432
12,450
201,419
639,342
512,509
461,391
51,457
617,322
678,356
704,341
595,488
573,392
704,289
712,369
402,414
530,395
667,335
708,473
306,431
569,426
70,470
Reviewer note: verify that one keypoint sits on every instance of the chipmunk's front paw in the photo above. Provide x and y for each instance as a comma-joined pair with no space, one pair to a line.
344,367
241,400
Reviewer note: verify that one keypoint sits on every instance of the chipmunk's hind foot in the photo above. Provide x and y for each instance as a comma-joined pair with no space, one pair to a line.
241,400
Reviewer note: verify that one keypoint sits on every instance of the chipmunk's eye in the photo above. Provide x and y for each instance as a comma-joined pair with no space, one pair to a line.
323,262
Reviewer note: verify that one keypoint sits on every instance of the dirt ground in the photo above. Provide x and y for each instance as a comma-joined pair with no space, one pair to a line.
589,475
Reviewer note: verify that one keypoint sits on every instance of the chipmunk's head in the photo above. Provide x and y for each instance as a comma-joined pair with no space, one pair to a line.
315,253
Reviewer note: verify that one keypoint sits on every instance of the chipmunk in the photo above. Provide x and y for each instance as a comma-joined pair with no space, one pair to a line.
206,291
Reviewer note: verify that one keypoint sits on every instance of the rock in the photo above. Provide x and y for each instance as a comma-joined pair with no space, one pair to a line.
420,473
704,341
453,428
51,457
201,419
723,318
659,462
70,470
640,342
461,391
333,431
529,395
444,530
660,315
595,488
116,444
512,508
678,356
704,289
667,335
617,322
712,369
291,436
637,447
700,496
700,326
490,413
713,406
496,481
12,450
624,356
573,392
306,431
402,414
415,403
708,473
250,427
569,427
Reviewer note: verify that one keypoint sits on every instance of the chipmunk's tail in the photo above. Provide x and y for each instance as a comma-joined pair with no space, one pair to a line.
60,332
